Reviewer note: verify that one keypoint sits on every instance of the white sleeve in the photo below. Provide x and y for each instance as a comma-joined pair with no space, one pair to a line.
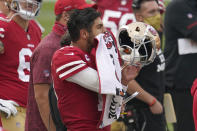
87,78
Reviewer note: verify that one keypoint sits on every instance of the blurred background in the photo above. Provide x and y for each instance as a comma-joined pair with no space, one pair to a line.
47,17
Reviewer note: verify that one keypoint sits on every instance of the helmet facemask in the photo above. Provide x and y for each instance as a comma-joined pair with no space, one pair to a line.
136,48
27,9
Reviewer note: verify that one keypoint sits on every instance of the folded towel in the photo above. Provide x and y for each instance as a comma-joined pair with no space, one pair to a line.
109,71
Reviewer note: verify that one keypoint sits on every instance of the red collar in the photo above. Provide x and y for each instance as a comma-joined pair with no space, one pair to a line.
59,28
194,87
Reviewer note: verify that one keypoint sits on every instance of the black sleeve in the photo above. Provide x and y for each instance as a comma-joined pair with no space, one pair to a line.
184,19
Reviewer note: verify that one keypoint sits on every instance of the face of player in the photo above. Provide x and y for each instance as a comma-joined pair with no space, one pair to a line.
3,7
97,28
29,5
150,14
149,9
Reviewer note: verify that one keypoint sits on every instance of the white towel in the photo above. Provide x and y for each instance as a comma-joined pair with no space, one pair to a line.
109,71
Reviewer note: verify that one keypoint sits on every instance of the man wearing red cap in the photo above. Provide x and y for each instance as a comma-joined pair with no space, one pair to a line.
38,111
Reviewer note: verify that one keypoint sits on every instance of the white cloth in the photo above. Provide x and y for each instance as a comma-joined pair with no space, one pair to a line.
107,66
186,46
8,107
109,71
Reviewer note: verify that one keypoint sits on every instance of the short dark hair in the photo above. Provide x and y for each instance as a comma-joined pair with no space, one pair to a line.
81,19
136,5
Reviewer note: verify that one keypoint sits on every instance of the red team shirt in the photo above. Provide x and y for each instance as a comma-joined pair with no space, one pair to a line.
115,13
15,62
78,106
194,94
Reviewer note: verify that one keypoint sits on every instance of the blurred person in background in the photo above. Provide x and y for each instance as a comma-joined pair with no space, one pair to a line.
38,111
151,91
154,18
18,39
180,53
148,11
115,13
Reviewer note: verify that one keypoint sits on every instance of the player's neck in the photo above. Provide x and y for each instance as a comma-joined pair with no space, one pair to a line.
20,21
81,45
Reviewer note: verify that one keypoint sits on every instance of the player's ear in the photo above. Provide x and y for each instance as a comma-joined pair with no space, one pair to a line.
65,16
84,34
139,17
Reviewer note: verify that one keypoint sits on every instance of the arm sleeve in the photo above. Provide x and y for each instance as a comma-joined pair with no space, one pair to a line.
184,20
68,64
87,78
42,66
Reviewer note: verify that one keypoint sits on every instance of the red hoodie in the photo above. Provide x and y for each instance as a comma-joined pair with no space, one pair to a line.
194,94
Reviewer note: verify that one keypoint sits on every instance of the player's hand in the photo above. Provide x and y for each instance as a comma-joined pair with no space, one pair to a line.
129,73
8,107
122,113
157,108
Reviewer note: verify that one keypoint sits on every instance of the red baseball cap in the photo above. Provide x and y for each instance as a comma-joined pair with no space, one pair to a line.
67,5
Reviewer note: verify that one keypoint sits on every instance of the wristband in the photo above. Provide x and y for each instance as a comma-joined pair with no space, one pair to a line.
153,102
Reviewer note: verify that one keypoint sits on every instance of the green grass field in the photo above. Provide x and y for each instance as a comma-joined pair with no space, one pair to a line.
47,19
46,16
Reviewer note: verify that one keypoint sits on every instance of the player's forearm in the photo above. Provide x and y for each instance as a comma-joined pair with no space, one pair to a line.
41,96
44,113
144,96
